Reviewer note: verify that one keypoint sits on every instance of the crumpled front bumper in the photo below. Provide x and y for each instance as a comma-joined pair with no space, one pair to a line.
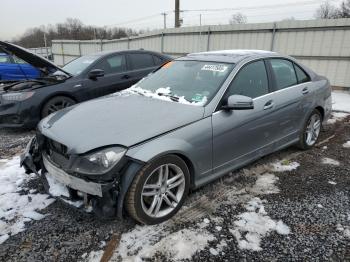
106,197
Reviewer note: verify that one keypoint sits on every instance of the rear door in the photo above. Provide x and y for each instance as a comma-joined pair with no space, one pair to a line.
141,64
116,77
242,135
288,97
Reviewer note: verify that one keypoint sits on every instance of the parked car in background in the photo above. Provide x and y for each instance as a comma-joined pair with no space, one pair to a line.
23,103
14,68
192,121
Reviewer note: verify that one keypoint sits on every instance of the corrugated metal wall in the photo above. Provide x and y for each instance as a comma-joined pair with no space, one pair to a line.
323,45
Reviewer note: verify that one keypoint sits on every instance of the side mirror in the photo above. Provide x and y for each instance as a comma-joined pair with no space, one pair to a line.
238,102
95,73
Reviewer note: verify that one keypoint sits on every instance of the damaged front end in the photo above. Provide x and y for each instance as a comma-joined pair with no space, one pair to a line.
103,193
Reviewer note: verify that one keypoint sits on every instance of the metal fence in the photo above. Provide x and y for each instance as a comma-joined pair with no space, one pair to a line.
323,45
42,51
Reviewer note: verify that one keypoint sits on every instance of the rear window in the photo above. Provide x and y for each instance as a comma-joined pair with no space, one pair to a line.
139,61
301,75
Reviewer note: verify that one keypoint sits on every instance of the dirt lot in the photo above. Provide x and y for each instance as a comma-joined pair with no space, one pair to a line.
291,205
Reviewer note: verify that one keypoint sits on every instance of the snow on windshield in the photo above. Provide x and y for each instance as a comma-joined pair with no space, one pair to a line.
165,93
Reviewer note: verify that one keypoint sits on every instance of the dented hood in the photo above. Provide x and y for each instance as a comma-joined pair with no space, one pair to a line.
123,120
44,65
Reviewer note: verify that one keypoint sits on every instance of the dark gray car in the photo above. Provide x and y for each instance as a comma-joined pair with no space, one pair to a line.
192,121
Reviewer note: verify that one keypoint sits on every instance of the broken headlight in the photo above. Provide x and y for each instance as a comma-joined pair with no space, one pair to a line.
99,162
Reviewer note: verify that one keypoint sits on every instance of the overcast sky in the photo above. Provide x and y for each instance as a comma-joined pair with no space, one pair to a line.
19,15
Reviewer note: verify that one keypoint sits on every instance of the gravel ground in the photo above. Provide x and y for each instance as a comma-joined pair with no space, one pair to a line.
317,212
13,141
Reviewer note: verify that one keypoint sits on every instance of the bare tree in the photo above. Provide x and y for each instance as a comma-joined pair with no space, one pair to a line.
238,18
326,11
344,10
72,29
329,11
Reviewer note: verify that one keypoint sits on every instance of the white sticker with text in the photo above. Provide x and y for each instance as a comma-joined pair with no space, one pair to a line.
215,68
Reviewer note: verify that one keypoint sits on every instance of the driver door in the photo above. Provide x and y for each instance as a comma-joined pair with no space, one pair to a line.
240,136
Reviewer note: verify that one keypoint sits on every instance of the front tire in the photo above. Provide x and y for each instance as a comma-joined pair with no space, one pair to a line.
311,130
158,190
55,104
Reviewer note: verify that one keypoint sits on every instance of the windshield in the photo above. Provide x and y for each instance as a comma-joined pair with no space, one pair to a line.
189,82
80,64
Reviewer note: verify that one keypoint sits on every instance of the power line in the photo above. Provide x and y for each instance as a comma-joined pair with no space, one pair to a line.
254,7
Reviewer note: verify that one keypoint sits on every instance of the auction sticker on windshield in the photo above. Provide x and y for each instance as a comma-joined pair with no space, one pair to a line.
215,68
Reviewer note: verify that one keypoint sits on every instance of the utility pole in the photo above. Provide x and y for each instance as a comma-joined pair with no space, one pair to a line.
177,13
200,19
164,15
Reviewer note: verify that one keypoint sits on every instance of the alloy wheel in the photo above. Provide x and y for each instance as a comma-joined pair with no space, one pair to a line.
313,129
163,190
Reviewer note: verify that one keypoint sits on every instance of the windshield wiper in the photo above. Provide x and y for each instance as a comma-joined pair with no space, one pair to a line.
172,97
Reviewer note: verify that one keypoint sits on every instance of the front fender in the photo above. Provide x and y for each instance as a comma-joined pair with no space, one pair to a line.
155,148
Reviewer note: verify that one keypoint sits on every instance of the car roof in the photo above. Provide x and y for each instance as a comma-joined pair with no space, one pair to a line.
110,52
229,56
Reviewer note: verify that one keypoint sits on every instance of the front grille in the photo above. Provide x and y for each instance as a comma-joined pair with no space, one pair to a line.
57,152
57,147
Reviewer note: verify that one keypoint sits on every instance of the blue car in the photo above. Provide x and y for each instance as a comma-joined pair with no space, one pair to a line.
13,68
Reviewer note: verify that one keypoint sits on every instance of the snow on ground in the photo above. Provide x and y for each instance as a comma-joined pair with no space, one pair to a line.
332,182
346,145
265,184
336,116
94,256
180,245
254,225
17,208
330,161
284,165
340,100
146,241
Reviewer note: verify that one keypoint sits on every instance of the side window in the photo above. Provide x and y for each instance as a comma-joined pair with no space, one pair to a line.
18,60
284,73
250,81
112,65
301,75
158,60
139,61
4,59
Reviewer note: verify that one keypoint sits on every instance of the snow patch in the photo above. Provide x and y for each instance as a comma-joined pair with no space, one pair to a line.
284,165
336,116
17,208
144,242
330,161
332,182
180,245
341,101
253,225
162,94
56,188
94,256
346,145
265,184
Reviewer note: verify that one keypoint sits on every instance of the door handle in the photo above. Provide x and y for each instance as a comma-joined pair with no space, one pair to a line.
305,91
268,105
125,76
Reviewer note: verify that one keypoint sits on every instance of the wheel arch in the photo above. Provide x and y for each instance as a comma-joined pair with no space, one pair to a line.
321,110
51,96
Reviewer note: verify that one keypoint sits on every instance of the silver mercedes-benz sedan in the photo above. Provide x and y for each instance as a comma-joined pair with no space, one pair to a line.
191,121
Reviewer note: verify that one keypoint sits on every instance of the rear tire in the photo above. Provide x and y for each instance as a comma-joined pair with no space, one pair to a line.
158,190
311,130
55,104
